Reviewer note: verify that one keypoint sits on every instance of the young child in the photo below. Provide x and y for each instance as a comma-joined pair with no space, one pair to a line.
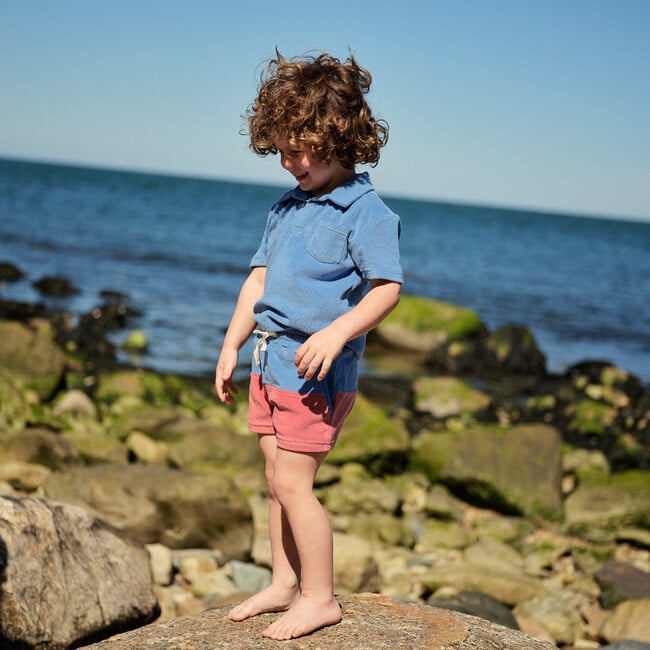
327,271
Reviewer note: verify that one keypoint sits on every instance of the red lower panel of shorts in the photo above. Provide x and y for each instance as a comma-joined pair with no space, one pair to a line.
300,422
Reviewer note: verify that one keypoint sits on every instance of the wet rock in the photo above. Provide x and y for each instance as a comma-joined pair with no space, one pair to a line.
604,374
21,311
512,349
56,286
66,578
10,272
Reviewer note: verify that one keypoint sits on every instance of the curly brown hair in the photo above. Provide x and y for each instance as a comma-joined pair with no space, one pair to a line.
319,102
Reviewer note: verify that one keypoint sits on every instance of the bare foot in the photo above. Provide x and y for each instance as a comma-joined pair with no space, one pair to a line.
271,599
306,616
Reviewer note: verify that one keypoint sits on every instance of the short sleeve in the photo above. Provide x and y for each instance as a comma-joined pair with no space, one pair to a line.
259,259
261,256
374,245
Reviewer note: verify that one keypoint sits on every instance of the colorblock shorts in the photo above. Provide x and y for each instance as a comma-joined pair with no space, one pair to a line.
305,416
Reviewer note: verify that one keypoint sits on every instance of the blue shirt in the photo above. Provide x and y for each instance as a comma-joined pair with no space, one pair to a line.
321,252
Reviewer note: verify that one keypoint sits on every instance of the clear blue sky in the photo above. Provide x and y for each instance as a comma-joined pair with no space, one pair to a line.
531,103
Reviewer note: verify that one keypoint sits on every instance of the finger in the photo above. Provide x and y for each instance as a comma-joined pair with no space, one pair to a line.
225,388
324,369
303,362
299,355
313,368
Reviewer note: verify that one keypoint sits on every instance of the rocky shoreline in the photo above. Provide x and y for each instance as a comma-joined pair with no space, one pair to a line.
467,477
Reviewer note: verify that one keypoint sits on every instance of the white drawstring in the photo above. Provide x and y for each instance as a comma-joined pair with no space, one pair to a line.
261,344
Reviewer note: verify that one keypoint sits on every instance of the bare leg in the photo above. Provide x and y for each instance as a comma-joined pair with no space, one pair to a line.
312,533
284,589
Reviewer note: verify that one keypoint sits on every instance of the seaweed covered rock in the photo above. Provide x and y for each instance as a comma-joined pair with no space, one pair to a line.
424,324
514,470
371,437
601,504
32,357
444,397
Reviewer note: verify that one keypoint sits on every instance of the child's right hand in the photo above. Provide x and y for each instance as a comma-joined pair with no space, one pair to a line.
226,365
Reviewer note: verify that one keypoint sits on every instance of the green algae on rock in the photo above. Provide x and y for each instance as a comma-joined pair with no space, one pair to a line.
444,397
515,470
425,324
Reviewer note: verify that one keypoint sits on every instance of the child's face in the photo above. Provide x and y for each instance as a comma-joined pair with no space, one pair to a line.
313,176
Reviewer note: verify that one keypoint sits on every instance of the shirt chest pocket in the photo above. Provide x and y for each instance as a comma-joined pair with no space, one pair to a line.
328,244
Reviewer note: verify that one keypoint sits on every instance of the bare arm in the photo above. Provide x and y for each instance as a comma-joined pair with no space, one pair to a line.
241,325
322,347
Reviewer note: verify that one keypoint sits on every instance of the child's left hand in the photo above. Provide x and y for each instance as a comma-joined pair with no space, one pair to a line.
319,351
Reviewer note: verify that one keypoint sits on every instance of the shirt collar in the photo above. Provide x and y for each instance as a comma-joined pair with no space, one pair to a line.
343,195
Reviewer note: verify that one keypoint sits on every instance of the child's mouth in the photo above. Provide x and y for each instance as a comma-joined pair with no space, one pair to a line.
301,177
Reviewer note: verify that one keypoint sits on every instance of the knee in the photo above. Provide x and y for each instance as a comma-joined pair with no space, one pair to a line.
284,489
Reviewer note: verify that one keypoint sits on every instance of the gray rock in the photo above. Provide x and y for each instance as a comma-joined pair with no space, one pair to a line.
66,578
620,581
477,604
248,577
369,621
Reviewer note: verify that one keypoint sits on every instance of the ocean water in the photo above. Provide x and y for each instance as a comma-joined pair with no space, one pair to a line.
180,247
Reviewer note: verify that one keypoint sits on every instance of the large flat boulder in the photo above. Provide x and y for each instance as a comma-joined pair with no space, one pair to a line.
369,621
